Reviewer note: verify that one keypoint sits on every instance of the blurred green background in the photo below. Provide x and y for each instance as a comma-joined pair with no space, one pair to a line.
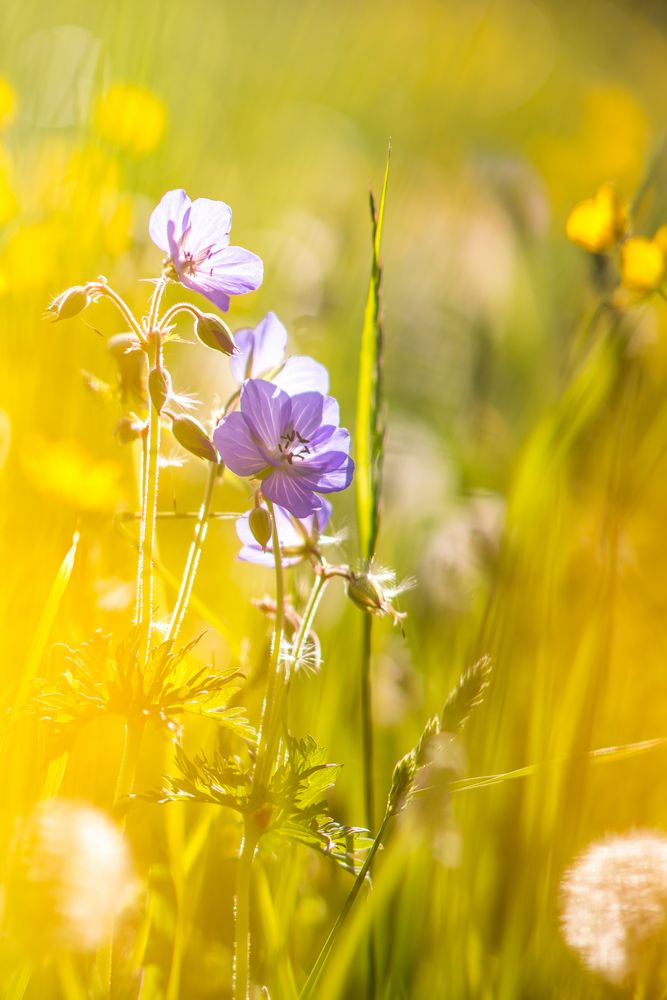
525,484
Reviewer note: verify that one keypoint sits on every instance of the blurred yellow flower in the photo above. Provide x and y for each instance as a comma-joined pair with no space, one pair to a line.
131,118
597,224
31,256
66,472
642,264
7,102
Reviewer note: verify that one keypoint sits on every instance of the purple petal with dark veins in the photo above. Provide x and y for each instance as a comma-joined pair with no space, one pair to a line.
238,447
286,490
267,411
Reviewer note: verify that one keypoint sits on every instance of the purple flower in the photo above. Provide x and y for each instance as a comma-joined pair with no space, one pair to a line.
195,235
261,352
297,537
292,443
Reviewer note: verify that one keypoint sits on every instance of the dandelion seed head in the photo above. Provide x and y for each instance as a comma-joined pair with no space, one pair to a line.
73,877
614,903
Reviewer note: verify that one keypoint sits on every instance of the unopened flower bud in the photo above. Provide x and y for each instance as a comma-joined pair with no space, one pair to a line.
129,428
214,332
260,525
69,303
159,387
366,593
193,437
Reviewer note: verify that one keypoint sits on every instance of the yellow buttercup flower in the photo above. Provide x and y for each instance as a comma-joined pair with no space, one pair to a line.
131,118
642,264
7,102
598,223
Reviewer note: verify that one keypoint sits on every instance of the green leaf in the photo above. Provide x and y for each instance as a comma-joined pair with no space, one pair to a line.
369,441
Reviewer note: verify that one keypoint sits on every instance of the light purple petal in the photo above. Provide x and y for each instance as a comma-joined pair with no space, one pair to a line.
290,493
168,219
327,473
322,517
267,410
209,225
331,412
307,413
236,270
330,438
303,374
206,287
237,446
260,350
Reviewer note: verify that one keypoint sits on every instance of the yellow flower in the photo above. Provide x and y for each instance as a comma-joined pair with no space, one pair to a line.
642,264
7,102
598,223
131,118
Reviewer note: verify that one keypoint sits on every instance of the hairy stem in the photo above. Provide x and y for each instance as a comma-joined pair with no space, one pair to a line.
194,555
123,308
368,754
241,987
311,983
269,733
134,730
308,616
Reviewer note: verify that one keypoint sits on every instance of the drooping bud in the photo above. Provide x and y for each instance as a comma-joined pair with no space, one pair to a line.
260,525
214,333
366,593
159,387
129,428
69,303
193,437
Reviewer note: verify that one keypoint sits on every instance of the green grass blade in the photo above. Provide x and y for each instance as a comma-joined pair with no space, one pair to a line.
369,425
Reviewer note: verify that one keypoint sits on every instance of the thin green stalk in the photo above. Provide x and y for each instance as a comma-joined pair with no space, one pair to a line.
311,983
367,723
312,605
241,984
147,537
269,734
139,603
194,555
134,731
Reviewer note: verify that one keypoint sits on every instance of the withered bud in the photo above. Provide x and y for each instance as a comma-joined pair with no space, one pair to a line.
159,387
129,428
214,333
69,303
260,525
366,593
125,350
193,437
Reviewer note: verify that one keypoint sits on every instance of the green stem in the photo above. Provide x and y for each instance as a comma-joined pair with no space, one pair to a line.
368,749
269,733
194,555
134,731
139,603
323,956
123,308
241,987
308,616
147,536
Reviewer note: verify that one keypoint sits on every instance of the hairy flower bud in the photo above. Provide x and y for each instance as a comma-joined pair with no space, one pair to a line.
69,303
214,333
259,522
193,437
159,387
366,593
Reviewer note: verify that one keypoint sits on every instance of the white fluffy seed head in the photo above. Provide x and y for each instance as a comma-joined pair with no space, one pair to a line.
614,905
72,877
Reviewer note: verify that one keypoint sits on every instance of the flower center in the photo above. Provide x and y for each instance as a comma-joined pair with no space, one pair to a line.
293,445
191,263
